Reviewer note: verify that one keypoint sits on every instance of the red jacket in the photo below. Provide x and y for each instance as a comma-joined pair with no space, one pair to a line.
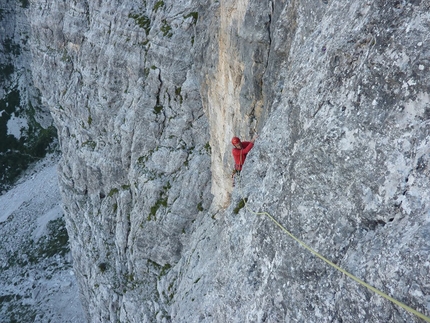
240,154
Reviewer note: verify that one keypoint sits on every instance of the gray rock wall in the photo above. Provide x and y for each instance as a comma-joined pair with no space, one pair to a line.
134,138
146,96
349,132
26,130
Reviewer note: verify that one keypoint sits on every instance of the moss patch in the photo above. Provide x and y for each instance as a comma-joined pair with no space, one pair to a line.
240,205
165,28
158,108
162,201
112,192
158,5
142,21
90,144
208,148
103,266
178,94
194,15
163,270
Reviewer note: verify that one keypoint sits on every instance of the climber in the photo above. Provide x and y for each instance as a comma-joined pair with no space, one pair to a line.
240,150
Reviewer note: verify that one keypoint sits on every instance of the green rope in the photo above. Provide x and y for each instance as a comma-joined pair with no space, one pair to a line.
356,279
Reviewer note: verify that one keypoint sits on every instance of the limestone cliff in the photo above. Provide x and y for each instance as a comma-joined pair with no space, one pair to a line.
26,130
146,96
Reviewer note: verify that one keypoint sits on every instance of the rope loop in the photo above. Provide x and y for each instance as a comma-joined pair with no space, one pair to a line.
315,253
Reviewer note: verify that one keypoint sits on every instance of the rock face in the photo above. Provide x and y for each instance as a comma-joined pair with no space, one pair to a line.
26,130
146,96
36,276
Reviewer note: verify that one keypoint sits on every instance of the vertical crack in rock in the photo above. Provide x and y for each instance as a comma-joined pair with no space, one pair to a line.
255,115
339,92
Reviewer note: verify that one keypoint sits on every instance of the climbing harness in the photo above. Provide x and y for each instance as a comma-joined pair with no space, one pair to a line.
315,253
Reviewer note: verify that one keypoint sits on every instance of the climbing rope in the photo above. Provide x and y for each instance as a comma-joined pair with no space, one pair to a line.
315,253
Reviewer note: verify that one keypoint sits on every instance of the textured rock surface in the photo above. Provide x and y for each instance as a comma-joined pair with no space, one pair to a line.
26,130
36,277
146,96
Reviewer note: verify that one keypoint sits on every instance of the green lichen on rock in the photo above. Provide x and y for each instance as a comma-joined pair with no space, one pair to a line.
103,266
200,207
90,144
162,201
112,192
163,270
178,94
158,5
166,28
142,21
158,108
194,15
208,148
240,205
